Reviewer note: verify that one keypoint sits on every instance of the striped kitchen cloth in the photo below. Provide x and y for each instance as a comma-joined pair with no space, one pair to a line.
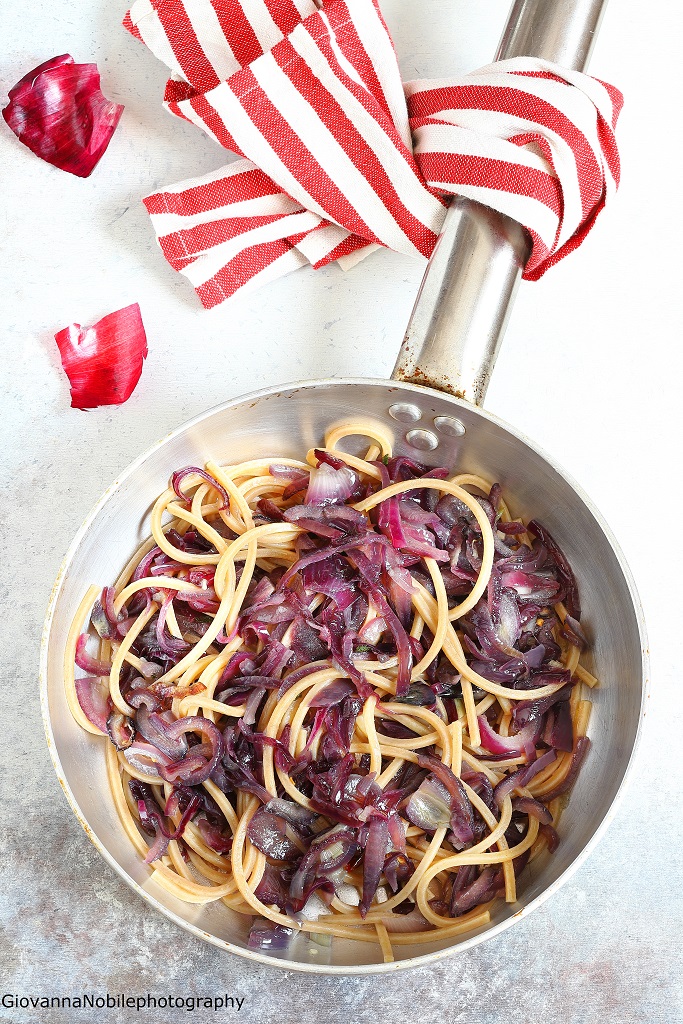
339,156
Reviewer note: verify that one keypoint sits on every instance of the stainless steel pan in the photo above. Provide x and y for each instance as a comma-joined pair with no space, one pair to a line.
432,406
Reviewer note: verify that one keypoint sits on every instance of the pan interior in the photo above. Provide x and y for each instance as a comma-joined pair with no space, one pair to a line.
285,423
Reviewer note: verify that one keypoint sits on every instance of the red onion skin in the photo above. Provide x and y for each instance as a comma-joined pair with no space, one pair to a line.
58,111
104,362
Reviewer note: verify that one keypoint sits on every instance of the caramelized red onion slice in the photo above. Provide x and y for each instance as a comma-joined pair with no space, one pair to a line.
531,770
146,758
522,777
479,891
155,729
274,835
266,935
214,838
429,806
580,751
151,819
551,837
413,921
534,808
93,696
561,732
194,768
59,112
328,486
100,620
528,711
179,476
419,695
524,742
563,567
373,860
295,814
327,458
333,694
121,730
329,852
398,868
572,631
87,662
333,577
461,813
104,362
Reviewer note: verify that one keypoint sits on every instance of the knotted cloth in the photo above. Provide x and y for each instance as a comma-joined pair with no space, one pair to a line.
340,156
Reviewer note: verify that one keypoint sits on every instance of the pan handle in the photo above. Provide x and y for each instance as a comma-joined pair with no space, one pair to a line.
461,311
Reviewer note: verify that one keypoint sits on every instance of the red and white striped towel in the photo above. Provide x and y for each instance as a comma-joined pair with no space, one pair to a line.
339,156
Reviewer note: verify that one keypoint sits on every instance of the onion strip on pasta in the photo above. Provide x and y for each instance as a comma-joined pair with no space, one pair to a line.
343,695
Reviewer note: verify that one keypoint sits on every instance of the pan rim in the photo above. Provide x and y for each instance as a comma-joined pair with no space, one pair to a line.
253,955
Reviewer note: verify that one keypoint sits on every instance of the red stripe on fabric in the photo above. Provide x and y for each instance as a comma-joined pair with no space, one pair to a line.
540,258
251,184
130,27
285,15
354,145
239,271
200,238
238,31
174,108
213,121
350,44
457,169
548,75
538,265
615,95
290,149
607,141
546,151
345,248
176,92
617,98
517,103
181,262
187,49
609,148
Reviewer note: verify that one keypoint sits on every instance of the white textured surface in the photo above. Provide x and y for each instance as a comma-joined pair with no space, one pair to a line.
591,368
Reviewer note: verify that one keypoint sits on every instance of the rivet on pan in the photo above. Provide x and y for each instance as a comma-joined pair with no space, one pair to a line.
425,440
449,425
405,412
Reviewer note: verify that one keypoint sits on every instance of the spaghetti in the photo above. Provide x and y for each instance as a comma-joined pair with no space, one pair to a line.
343,694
